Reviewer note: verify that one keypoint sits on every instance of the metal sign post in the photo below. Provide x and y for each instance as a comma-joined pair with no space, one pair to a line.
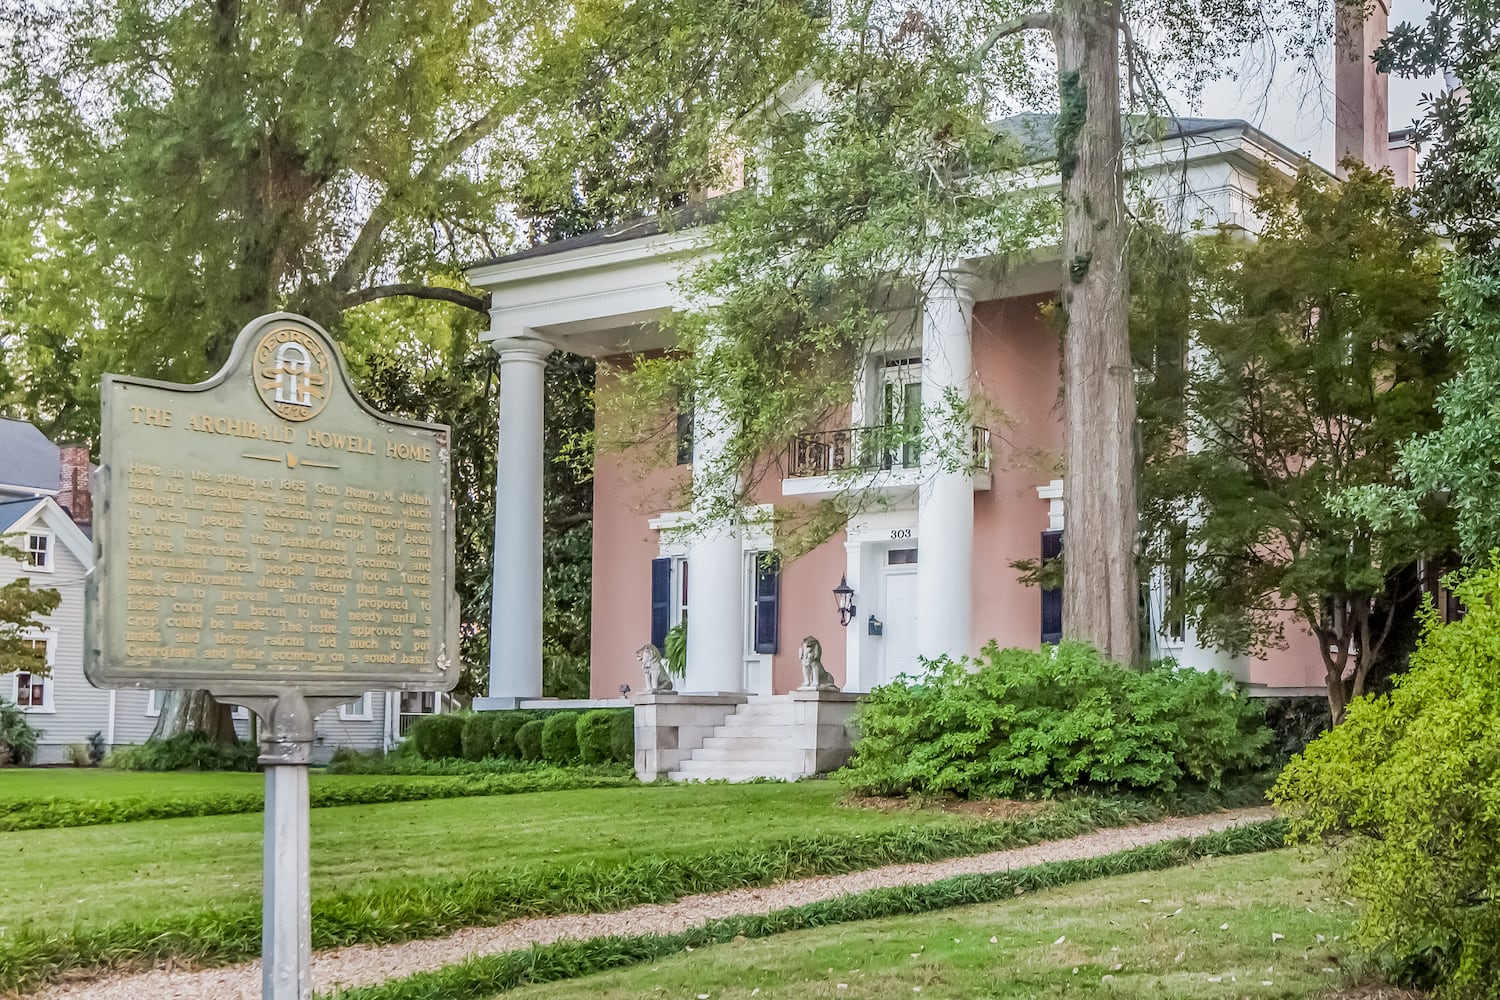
268,536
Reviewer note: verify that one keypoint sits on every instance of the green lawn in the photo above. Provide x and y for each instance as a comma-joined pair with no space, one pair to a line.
102,783
1205,930
94,875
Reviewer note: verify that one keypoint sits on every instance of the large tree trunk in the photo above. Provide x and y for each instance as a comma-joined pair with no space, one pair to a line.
194,712
1101,590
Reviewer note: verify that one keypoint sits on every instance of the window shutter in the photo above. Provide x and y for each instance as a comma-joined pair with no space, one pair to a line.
661,601
1052,606
767,604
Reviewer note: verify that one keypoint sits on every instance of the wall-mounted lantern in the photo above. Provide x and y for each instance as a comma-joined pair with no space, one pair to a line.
844,594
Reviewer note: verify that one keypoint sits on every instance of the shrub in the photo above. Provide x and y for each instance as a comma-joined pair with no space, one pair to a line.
1033,723
594,736
478,737
622,736
97,749
17,737
507,725
529,740
560,738
438,737
1409,783
187,752
78,754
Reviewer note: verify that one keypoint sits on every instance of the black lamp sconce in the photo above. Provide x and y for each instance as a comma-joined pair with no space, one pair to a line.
844,594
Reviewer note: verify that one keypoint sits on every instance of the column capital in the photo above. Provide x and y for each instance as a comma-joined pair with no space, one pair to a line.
952,282
533,349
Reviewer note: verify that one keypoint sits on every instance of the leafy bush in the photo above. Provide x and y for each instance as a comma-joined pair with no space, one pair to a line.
560,738
438,737
186,752
674,650
507,725
17,737
1409,783
529,740
78,754
98,749
1030,723
622,736
595,732
478,737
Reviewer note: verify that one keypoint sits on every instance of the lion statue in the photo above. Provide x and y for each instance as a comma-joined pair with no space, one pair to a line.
814,676
658,679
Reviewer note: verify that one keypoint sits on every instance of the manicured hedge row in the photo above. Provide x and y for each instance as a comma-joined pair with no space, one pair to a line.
563,738
403,909
51,813
485,976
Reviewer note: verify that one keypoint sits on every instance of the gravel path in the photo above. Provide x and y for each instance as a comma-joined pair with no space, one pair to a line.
361,965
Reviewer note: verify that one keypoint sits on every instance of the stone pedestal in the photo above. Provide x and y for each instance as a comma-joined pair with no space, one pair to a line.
669,727
824,730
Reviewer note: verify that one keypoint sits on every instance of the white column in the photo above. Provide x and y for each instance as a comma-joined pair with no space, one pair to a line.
716,574
945,511
516,612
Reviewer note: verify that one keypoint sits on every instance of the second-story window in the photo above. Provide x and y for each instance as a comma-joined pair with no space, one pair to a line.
39,550
901,412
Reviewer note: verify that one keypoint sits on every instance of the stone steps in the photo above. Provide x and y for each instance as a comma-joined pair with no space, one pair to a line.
757,741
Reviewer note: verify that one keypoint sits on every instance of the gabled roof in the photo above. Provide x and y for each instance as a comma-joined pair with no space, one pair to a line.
45,513
28,461
12,511
1035,132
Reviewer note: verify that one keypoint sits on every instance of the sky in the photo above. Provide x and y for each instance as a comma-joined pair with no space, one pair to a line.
1297,110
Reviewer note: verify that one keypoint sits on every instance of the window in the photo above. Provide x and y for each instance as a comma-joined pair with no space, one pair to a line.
39,550
357,711
1052,604
418,703
901,412
901,557
155,702
33,692
763,609
685,430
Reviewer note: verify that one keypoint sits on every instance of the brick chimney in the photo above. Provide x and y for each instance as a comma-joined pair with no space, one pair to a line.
1361,95
73,493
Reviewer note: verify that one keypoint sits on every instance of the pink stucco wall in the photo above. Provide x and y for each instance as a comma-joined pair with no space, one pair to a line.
1016,366
1016,370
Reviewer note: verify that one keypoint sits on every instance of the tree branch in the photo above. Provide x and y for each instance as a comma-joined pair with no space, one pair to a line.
480,304
383,213
1027,22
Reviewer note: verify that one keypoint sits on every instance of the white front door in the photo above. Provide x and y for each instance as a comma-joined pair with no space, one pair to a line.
898,641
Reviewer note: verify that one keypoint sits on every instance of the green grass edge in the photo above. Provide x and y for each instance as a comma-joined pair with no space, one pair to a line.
53,813
486,976
401,910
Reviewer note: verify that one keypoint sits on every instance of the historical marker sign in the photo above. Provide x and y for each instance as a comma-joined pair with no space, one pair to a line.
267,529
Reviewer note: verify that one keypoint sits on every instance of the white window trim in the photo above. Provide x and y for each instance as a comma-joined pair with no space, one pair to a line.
49,683
348,713
51,564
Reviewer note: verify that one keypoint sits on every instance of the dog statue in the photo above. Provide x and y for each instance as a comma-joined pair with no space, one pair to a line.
814,676
658,678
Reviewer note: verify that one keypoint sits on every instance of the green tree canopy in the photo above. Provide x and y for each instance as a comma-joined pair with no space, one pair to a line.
1312,359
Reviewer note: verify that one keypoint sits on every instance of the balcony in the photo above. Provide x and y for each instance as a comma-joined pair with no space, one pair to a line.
867,460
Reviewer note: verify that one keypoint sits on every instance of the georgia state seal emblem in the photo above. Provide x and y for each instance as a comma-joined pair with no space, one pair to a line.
291,371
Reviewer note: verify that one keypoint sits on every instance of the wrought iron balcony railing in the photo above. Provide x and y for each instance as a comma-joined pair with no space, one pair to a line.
867,449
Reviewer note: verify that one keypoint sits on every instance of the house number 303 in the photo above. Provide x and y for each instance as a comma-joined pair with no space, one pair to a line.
901,533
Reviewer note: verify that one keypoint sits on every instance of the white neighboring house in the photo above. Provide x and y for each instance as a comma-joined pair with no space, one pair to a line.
46,510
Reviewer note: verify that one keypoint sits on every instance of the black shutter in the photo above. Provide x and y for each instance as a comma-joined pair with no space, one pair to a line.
767,604
1052,608
661,601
